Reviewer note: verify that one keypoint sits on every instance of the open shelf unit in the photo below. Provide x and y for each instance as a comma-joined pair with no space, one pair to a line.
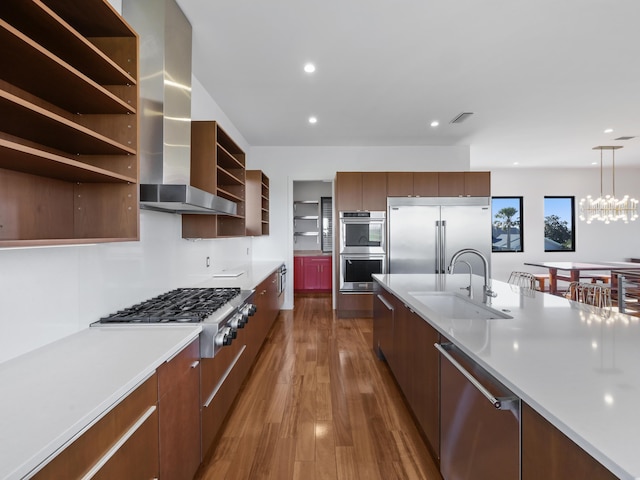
69,168
306,215
217,167
257,203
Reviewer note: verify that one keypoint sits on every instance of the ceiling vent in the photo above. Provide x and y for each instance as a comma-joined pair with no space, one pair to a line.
461,117
624,138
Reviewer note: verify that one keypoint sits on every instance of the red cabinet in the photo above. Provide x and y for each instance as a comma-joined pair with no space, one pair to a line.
312,273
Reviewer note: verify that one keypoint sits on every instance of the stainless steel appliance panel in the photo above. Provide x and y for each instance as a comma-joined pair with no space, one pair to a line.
466,227
363,232
356,271
424,233
480,422
412,243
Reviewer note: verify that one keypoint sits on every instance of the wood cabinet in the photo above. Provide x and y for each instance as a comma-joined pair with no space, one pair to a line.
122,444
406,342
69,168
464,184
312,273
179,414
361,191
217,167
548,453
223,376
412,184
221,379
257,203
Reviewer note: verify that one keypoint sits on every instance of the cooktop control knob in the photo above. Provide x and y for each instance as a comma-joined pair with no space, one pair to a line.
249,309
224,337
238,321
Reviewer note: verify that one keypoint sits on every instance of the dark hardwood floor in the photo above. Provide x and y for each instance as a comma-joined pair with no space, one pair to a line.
319,405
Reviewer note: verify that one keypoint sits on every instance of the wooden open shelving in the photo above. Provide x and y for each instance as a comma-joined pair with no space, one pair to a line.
69,168
217,167
257,203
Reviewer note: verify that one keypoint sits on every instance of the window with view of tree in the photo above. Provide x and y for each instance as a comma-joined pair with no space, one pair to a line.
506,230
559,222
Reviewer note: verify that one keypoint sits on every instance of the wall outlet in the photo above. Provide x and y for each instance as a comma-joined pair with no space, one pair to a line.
208,262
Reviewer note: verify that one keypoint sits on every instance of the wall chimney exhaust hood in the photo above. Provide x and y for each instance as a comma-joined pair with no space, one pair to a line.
165,111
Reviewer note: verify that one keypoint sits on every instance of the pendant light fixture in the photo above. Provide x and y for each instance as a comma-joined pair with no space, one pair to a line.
607,208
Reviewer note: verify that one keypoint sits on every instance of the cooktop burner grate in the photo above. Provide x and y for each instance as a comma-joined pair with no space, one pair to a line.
186,305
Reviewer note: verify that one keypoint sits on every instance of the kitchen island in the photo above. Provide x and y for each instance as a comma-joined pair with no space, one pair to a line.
572,364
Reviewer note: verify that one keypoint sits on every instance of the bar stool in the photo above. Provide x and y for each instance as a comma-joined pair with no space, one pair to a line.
522,279
590,293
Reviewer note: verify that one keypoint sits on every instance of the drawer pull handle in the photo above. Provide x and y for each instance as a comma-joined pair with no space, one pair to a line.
501,403
385,302
121,441
195,364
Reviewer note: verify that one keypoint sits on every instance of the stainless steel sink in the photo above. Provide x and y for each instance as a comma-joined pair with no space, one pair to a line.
452,305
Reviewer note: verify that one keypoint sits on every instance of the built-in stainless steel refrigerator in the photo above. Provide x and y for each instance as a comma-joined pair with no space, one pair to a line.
425,232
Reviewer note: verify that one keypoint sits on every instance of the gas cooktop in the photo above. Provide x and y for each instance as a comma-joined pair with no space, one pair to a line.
186,305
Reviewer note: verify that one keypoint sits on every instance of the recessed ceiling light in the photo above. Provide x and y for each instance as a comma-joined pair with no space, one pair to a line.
435,123
515,163
313,120
594,163
608,130
309,68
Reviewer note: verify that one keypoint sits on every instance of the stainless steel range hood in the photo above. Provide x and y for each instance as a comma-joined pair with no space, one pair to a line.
165,111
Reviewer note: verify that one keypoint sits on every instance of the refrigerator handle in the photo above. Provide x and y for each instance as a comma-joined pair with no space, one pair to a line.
443,246
437,242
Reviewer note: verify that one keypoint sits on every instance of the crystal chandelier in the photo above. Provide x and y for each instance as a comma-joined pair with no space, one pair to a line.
607,208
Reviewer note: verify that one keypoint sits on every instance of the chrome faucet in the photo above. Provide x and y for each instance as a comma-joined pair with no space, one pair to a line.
486,289
469,288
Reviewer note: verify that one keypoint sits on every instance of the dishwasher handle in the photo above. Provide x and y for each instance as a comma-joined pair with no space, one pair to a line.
501,403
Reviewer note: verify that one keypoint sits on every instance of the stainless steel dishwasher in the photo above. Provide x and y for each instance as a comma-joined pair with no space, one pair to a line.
479,421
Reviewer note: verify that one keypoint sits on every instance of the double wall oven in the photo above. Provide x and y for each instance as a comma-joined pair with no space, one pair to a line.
362,249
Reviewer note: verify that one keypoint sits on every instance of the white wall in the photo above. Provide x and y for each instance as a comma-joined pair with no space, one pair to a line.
47,293
283,165
594,242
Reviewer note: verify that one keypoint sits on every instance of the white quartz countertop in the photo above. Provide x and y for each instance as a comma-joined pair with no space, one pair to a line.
246,276
51,394
578,366
54,392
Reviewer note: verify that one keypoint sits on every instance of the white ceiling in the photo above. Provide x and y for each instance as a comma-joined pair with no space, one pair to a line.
544,78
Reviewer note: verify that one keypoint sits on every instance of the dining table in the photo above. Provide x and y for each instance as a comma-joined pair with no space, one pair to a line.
575,271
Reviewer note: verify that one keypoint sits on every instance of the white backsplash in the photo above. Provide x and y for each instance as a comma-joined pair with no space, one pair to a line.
47,293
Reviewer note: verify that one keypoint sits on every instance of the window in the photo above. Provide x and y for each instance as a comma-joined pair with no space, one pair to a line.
506,220
559,223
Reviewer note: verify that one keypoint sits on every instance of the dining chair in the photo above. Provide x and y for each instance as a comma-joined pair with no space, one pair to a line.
589,293
522,279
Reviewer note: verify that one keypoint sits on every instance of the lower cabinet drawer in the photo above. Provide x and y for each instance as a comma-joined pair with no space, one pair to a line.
229,370
122,444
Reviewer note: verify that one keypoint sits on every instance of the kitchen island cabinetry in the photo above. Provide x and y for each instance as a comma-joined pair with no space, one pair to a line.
548,453
217,167
69,168
312,273
122,444
585,431
179,409
403,339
